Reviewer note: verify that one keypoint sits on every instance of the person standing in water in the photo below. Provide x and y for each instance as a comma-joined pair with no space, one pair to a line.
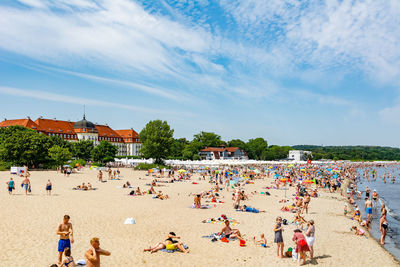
383,226
368,208
375,198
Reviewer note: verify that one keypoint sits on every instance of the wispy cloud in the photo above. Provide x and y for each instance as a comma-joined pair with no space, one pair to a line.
43,95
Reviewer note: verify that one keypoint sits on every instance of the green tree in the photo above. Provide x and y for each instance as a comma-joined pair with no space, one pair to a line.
60,155
82,149
208,139
157,140
256,147
192,149
56,140
23,146
178,147
104,152
276,152
237,143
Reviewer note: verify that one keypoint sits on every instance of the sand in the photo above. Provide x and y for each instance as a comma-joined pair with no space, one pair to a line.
28,225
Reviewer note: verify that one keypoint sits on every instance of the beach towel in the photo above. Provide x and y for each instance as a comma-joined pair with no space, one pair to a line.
172,250
202,207
232,221
216,236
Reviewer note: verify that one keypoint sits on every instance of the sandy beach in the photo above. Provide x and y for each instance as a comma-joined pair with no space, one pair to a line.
29,224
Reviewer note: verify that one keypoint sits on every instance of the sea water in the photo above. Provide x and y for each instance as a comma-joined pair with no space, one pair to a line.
389,194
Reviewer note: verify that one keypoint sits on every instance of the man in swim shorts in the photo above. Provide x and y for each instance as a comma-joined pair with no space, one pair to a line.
66,236
368,208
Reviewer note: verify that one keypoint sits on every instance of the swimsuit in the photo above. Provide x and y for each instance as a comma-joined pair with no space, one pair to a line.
48,187
369,210
385,225
63,243
70,260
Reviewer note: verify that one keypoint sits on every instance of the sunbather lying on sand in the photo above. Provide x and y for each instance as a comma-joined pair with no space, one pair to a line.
250,209
161,196
169,244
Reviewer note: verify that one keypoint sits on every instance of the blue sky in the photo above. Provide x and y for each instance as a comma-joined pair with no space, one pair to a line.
293,72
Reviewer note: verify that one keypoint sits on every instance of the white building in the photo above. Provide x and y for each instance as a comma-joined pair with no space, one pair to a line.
299,155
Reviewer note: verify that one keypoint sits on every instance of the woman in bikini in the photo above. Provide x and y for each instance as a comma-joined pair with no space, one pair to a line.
383,227
68,261
169,244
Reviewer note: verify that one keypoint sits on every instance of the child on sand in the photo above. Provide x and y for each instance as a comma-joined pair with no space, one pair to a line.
262,242
359,231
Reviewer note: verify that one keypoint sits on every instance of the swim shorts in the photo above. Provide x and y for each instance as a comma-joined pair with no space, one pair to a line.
63,243
369,210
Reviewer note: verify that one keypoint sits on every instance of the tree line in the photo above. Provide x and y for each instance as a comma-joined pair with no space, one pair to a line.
23,146
354,153
158,143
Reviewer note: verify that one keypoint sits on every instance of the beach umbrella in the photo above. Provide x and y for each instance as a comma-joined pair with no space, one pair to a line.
308,182
284,180
303,170
181,171
150,170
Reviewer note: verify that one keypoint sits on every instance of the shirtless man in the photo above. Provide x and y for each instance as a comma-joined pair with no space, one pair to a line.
92,256
229,232
307,200
368,208
197,201
66,236
26,184
100,176
375,197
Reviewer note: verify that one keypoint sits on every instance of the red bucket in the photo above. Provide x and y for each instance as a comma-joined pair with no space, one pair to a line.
242,243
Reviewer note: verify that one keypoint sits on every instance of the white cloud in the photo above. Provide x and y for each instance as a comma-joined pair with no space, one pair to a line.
43,95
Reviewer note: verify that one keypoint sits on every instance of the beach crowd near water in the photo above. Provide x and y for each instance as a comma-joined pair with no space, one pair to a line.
296,200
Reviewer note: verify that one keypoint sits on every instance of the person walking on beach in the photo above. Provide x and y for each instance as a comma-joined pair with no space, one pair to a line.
66,234
383,227
301,246
368,208
100,176
93,254
278,229
11,186
48,187
310,237
26,185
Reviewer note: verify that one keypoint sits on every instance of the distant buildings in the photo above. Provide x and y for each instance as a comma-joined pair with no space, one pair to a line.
127,141
211,153
299,155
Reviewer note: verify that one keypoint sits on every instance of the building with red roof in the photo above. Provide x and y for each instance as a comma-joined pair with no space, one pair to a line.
211,153
127,141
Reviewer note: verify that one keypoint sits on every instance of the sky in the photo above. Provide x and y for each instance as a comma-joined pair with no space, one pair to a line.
290,71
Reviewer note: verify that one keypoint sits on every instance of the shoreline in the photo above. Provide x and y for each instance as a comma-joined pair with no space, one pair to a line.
377,241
